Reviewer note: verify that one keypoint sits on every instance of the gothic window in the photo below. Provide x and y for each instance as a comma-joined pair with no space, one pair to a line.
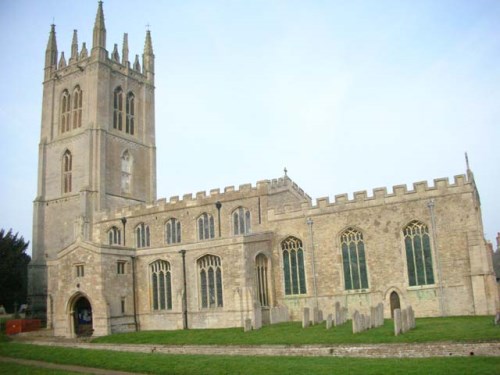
293,266
65,111
206,227
118,109
114,236
142,236
77,108
241,221
418,254
353,259
261,271
130,113
67,170
210,274
173,231
126,171
161,285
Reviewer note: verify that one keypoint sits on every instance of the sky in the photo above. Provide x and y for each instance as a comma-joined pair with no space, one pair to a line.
347,95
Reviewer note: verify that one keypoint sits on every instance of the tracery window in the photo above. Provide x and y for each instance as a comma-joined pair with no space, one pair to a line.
261,271
130,113
210,276
114,236
161,285
418,254
67,171
173,231
293,266
77,108
65,111
206,227
126,162
142,236
118,108
353,259
241,221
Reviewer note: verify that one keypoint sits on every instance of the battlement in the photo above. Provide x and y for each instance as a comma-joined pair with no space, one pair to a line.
279,184
380,195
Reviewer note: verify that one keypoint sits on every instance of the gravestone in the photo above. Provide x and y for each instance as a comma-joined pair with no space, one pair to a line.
397,322
329,321
248,325
404,321
337,314
356,321
305,318
257,312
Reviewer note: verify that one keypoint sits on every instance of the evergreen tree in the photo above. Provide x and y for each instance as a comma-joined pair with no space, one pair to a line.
13,269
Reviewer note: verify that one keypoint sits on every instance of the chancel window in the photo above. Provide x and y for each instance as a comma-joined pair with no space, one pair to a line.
293,266
142,235
126,180
77,108
67,167
261,271
241,221
173,231
114,236
161,285
353,259
210,276
206,227
418,254
65,111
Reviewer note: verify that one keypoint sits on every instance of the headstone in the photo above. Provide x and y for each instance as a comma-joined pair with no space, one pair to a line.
329,321
411,316
373,317
404,321
320,316
305,318
497,318
337,314
397,322
381,314
248,325
355,322
315,316
257,312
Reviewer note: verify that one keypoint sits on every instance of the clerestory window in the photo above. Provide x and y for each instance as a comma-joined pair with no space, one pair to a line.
173,231
206,227
142,236
114,236
241,221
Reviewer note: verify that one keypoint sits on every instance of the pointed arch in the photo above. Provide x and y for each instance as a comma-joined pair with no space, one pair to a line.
65,111
206,226
114,236
126,171
142,236
418,253
77,107
241,221
130,114
210,281
118,108
353,259
67,170
161,285
172,231
293,266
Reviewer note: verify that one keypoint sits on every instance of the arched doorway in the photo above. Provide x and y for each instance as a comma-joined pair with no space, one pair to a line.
82,315
395,304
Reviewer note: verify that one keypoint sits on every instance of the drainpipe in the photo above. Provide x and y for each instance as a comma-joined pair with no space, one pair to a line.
442,301
184,294
218,205
310,224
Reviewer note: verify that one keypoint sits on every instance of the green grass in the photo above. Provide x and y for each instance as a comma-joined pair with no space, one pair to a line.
458,329
208,365
16,369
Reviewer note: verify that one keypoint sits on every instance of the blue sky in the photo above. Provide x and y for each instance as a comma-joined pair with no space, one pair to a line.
348,95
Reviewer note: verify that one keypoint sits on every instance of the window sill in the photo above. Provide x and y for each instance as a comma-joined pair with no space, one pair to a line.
421,287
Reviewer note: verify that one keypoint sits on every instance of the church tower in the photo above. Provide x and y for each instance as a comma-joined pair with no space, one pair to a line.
97,144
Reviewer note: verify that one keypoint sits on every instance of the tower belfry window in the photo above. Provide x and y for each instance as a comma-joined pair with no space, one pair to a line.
65,111
118,109
67,170
126,180
129,126
77,108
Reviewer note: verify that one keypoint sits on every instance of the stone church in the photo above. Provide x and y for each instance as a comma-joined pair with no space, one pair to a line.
109,257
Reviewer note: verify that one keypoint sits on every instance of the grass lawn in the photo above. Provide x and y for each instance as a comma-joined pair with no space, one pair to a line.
16,369
208,365
458,329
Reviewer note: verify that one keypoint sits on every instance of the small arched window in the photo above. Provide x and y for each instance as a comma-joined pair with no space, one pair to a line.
293,266
353,259
114,236
118,109
142,236
173,231
418,254
210,276
130,114
241,221
126,163
77,108
67,167
161,285
206,227
65,111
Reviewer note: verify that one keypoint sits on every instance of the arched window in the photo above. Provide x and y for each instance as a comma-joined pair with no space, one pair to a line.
261,271
173,231
77,108
293,266
241,221
142,235
161,285
130,112
418,254
353,259
114,236
118,109
65,111
206,227
210,274
126,172
67,167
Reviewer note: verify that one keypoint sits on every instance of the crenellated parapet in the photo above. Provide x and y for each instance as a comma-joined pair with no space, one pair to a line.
379,196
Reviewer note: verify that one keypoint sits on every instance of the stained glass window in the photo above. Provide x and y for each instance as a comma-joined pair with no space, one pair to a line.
418,254
293,266
353,259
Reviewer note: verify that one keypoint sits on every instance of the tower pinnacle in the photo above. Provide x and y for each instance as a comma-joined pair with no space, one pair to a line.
148,58
51,51
74,48
99,36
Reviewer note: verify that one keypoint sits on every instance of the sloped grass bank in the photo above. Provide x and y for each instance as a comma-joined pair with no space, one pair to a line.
208,365
457,329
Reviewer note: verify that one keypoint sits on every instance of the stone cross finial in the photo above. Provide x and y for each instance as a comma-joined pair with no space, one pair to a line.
286,171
